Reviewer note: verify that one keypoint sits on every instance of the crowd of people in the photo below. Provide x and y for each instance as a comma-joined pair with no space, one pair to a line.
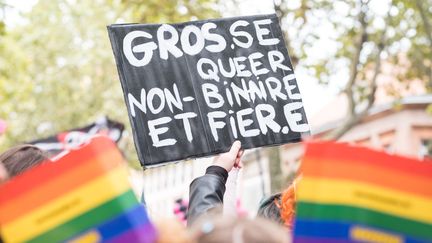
206,221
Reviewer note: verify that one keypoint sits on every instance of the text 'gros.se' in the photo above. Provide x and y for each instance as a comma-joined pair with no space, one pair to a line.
167,38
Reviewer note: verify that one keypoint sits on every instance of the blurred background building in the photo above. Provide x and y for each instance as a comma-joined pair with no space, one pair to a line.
403,128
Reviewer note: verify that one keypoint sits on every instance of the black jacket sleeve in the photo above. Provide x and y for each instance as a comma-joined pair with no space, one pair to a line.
206,192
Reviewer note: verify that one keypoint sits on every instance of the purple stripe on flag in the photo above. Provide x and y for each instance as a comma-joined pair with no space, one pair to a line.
141,234
319,240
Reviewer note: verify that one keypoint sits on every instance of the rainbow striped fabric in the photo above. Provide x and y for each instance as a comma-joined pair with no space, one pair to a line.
352,194
83,197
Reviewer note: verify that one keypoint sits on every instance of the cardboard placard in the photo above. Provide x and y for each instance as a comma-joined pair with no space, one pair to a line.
193,88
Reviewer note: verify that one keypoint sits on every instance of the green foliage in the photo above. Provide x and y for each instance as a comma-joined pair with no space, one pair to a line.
168,11
2,24
429,109
406,42
57,70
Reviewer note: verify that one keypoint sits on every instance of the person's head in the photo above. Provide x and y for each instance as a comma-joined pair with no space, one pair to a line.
269,209
237,230
280,207
171,231
20,158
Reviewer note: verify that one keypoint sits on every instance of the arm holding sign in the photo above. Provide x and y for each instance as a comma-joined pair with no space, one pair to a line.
207,191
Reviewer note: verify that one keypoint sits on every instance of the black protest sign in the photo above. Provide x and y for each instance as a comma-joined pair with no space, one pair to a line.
193,88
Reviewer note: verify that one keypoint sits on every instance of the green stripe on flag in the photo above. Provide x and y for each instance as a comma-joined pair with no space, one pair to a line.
350,214
94,217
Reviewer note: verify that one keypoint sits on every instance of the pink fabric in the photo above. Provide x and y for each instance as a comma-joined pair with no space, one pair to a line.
3,126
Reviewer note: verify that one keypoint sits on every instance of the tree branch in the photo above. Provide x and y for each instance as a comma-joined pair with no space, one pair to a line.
362,38
428,31
282,13
425,20
349,88
356,117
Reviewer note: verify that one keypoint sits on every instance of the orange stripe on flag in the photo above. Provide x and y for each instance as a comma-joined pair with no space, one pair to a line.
48,171
343,152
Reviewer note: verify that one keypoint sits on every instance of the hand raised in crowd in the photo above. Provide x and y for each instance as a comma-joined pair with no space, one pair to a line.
231,158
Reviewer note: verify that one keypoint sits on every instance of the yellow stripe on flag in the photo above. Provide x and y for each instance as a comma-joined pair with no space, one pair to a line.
89,237
345,192
373,236
68,206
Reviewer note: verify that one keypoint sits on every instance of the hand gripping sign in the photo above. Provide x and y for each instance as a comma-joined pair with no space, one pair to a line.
193,88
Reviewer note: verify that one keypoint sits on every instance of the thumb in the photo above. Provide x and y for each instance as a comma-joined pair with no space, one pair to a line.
234,150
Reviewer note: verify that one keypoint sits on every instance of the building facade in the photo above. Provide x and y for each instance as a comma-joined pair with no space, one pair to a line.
403,128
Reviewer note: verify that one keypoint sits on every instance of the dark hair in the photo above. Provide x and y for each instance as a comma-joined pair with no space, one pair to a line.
20,158
280,207
269,209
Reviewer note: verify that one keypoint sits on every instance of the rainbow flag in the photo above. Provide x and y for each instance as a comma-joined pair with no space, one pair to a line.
353,194
83,197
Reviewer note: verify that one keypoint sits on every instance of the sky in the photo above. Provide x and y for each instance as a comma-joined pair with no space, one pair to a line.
315,96
12,14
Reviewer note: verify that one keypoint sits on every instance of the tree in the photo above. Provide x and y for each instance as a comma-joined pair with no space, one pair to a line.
57,70
65,77
362,38
169,11
3,7
359,37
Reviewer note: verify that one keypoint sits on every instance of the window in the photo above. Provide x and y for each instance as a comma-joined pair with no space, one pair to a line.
426,148
423,135
386,140
388,148
363,142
